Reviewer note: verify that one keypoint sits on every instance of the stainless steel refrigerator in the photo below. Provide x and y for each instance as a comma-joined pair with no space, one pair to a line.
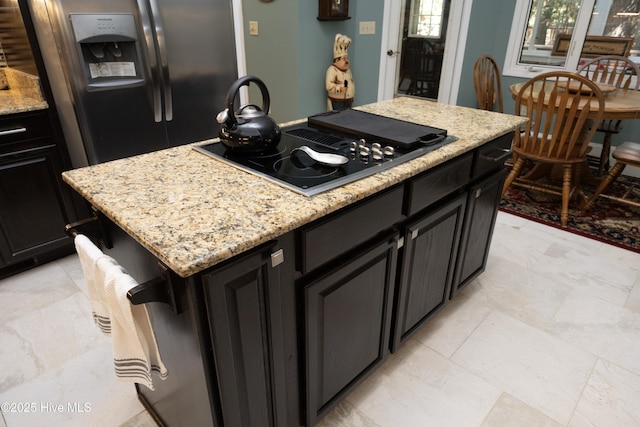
131,77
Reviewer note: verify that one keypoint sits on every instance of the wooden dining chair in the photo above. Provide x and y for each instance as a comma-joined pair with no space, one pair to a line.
487,84
564,110
626,154
618,72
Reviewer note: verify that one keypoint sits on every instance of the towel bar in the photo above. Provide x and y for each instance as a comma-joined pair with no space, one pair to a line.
158,289
91,227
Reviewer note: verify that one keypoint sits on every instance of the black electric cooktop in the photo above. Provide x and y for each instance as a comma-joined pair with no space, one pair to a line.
367,153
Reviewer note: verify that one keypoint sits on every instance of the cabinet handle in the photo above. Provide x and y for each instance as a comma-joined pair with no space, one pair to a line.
498,154
478,192
277,258
12,131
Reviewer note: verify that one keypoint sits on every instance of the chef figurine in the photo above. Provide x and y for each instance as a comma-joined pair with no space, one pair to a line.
339,80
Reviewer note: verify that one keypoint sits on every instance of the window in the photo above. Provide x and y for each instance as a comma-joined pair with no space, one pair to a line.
560,34
426,18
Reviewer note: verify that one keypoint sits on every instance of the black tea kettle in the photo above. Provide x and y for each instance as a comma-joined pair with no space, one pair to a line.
249,128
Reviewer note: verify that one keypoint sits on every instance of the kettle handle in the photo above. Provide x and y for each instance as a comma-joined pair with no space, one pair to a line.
233,91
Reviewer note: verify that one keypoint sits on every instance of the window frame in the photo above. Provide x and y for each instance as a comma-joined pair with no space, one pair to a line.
512,66
413,15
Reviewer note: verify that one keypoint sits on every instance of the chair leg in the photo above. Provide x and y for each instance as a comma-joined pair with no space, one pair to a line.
613,174
515,171
603,165
566,194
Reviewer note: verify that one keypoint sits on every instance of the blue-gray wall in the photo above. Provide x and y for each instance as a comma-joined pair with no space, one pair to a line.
294,49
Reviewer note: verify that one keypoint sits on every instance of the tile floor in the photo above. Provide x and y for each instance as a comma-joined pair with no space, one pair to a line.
549,335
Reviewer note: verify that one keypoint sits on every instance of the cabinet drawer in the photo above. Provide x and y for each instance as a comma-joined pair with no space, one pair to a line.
23,127
491,156
344,230
432,186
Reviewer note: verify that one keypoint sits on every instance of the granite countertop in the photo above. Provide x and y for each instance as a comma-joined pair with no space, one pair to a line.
23,93
12,101
192,211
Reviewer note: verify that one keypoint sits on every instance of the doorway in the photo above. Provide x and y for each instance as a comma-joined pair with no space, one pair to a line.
424,35
443,68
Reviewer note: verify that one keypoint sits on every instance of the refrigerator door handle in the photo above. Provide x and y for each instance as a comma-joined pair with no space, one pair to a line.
164,62
152,60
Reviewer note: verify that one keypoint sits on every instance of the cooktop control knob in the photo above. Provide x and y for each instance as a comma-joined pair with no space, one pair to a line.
353,145
376,153
388,151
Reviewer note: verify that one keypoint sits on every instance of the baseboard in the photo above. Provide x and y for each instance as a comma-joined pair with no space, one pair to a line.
596,149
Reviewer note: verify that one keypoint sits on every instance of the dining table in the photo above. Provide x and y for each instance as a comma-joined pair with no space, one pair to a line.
619,104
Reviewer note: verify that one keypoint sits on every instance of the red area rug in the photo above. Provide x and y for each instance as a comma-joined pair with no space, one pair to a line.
608,221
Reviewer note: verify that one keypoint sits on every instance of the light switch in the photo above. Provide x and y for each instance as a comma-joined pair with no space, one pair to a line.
253,28
368,27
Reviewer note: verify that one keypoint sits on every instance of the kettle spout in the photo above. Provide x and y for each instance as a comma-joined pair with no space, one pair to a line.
223,118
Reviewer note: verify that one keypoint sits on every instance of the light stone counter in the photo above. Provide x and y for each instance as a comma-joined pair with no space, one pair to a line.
24,93
192,211
12,101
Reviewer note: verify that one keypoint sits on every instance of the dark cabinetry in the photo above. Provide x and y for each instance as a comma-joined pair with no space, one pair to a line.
245,319
34,203
427,269
278,335
482,207
444,219
347,323
484,197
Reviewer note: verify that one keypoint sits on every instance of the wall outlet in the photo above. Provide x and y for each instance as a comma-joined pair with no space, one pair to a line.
253,28
368,27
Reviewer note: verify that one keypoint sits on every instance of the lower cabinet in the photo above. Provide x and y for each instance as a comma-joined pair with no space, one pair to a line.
427,266
35,205
347,324
32,204
480,218
245,320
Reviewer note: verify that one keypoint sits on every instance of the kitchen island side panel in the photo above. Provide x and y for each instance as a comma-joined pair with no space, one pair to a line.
187,397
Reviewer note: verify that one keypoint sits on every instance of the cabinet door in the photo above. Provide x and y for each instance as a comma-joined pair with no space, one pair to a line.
427,266
482,208
32,217
348,317
242,299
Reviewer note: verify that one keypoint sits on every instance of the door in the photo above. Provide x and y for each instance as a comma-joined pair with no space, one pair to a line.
108,73
347,324
395,61
201,55
480,218
154,76
427,267
243,307
32,212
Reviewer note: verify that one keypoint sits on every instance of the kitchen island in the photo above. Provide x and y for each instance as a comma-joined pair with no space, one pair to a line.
276,305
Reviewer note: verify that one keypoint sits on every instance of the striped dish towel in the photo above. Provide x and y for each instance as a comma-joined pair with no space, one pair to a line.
135,350
89,254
